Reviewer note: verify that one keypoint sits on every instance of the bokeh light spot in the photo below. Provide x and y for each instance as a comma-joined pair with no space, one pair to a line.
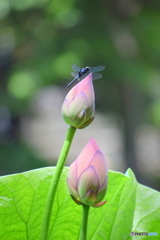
155,113
80,46
21,85
68,19
22,5
62,66
57,6
4,9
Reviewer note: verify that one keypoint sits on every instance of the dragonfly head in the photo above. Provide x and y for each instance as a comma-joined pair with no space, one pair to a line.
87,68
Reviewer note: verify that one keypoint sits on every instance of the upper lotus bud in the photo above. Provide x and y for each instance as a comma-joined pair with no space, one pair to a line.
87,176
79,105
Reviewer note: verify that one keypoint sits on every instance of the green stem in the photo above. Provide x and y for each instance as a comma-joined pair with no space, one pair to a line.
54,182
85,213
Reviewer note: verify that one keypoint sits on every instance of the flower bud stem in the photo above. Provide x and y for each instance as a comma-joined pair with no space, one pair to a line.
54,183
85,213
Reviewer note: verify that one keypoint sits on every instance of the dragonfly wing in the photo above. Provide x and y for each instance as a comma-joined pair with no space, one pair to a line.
96,76
97,69
74,74
76,68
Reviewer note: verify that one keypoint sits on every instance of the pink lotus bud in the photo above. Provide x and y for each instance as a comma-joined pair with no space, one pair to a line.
79,104
87,176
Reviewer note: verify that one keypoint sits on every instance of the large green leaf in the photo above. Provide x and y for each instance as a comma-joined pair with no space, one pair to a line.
130,207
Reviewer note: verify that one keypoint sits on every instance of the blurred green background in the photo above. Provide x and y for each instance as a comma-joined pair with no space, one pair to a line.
39,42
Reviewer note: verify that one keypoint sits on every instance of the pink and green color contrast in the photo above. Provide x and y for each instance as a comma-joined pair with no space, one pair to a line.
87,176
79,105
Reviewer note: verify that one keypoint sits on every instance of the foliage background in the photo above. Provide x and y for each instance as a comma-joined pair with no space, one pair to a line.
39,42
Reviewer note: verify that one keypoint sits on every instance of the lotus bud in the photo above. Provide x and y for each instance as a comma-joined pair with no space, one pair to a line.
79,105
87,176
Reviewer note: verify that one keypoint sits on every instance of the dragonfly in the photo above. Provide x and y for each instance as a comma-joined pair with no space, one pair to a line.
81,73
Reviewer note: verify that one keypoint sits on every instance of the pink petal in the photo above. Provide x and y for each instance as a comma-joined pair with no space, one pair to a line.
86,123
72,188
95,144
87,181
89,198
79,87
103,186
76,201
77,105
72,173
85,157
101,192
98,204
65,110
89,90
84,85
99,163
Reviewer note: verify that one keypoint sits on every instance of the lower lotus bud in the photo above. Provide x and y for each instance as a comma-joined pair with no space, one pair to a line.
87,176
